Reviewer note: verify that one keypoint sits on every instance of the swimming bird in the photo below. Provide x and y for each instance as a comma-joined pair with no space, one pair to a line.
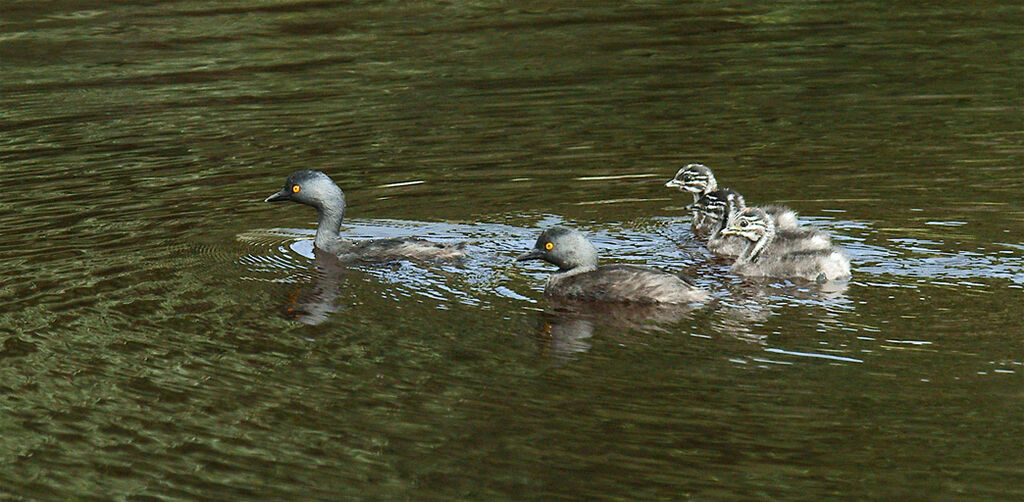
715,209
766,256
700,181
316,189
719,209
579,276
694,178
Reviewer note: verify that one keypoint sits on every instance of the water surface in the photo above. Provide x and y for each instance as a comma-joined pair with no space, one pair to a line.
166,335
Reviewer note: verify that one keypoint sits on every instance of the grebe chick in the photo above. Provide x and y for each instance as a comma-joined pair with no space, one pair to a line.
316,189
700,181
694,178
579,276
783,217
766,256
722,206
715,210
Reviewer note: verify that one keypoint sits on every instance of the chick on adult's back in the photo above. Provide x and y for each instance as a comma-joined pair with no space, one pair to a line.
580,277
316,189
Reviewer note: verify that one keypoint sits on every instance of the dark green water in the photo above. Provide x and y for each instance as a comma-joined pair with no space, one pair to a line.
165,335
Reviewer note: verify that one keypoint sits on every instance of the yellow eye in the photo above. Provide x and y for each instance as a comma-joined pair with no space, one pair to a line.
549,246
295,189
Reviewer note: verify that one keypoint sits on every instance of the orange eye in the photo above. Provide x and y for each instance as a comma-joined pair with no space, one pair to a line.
295,189
549,246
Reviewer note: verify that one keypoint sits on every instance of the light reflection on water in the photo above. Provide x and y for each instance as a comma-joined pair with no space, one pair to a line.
567,329
488,274
660,242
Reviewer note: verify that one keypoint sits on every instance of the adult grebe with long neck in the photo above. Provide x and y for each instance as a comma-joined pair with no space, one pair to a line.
316,189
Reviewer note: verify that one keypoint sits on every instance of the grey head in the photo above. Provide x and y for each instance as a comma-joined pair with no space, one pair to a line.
316,189
312,188
694,178
563,247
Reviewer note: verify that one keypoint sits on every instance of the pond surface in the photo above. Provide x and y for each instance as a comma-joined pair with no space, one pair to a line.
165,335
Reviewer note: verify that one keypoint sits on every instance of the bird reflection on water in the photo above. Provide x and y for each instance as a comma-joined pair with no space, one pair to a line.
566,327
316,301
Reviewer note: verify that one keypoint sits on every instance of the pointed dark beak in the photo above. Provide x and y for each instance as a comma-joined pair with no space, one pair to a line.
533,254
691,207
673,183
279,196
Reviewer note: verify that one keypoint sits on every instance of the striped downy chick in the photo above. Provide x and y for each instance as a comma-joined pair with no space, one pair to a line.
715,209
699,181
792,237
766,256
720,207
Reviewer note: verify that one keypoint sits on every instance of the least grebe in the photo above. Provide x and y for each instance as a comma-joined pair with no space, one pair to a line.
694,178
715,209
719,210
316,189
766,255
700,181
580,277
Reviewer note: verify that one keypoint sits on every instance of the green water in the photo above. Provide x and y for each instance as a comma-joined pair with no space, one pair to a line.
165,335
